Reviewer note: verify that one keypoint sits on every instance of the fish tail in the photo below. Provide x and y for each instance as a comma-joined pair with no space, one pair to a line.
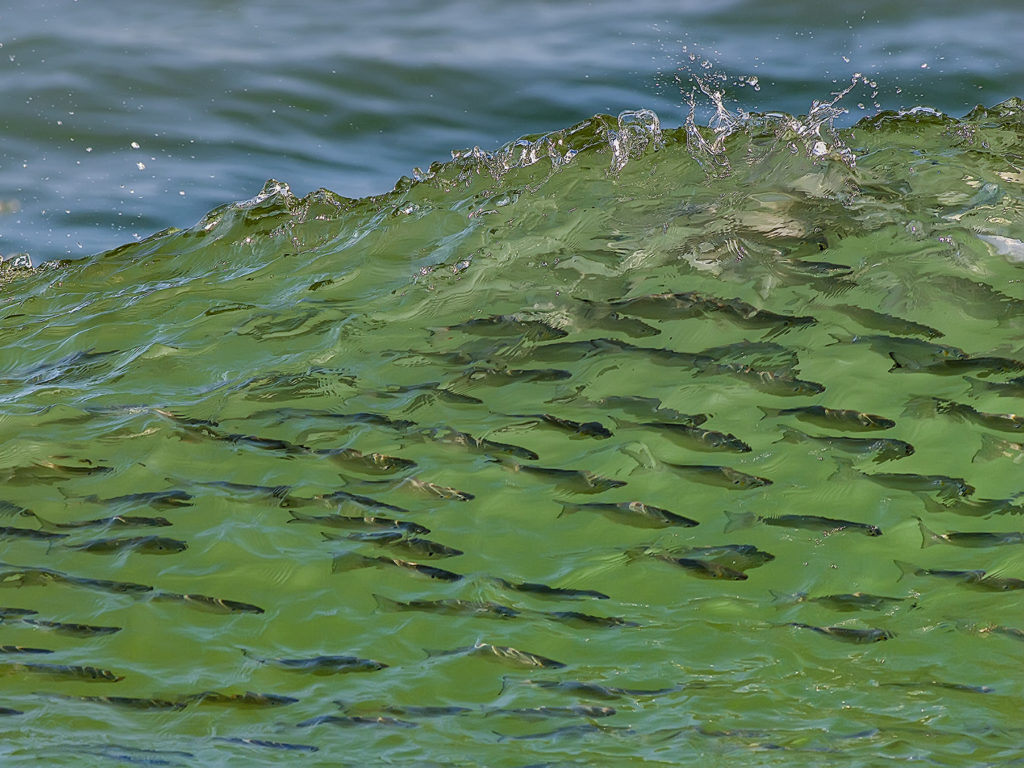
782,599
791,435
349,561
641,454
905,568
568,508
931,504
978,387
993,448
928,536
844,469
386,603
738,520
298,517
922,407
769,413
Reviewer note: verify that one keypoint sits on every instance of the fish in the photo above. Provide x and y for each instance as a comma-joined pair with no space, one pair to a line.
725,477
85,674
955,366
169,499
449,607
349,720
763,355
972,507
645,408
586,620
833,418
367,463
344,497
146,545
879,321
947,487
22,649
574,480
117,521
740,557
634,513
852,601
586,729
76,630
506,325
207,603
968,538
847,634
44,472
405,710
912,352
543,590
977,579
1016,634
352,560
366,523
36,576
574,428
247,700
9,509
579,710
501,377
131,702
702,569
967,576
1012,388
940,684
398,540
282,745
674,306
274,491
695,438
602,317
321,665
16,613
449,436
593,690
880,448
826,525
13,532
770,382
1003,422
503,653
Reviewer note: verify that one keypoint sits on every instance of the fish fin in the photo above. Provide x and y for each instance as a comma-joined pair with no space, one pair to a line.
782,599
905,568
978,387
792,435
930,504
928,536
738,520
299,517
769,412
641,455
568,508
328,536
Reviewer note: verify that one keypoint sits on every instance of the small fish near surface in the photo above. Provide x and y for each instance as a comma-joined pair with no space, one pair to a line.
848,601
573,480
207,603
116,521
1003,422
413,545
983,366
1011,388
349,561
694,438
945,486
574,428
367,463
246,700
847,634
782,384
321,665
146,545
505,654
732,557
699,567
879,321
977,579
75,630
968,538
449,436
449,607
356,721
724,477
973,507
357,522
879,448
634,513
596,691
826,525
507,325
543,590
833,418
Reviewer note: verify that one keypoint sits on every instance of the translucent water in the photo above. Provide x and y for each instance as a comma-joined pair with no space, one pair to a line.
305,389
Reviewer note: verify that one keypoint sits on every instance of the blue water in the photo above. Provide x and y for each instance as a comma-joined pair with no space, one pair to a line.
120,119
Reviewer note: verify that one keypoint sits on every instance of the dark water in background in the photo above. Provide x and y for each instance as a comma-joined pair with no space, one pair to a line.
220,96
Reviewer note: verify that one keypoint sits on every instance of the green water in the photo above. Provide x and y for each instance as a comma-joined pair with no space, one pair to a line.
236,361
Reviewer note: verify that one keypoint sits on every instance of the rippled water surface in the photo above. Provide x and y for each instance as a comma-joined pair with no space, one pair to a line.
307,401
